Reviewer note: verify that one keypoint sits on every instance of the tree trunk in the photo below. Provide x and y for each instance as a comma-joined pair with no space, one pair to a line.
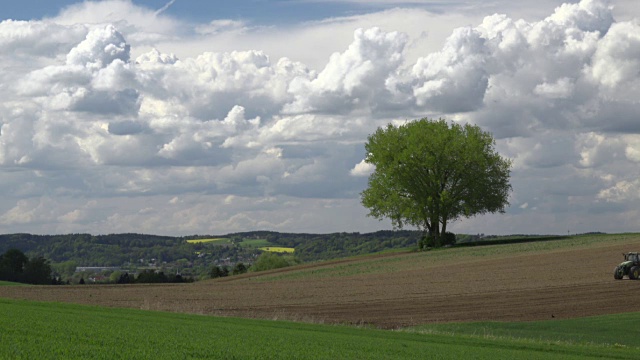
436,235
426,233
444,227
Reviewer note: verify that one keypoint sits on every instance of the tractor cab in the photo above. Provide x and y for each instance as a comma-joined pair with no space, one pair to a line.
634,257
629,267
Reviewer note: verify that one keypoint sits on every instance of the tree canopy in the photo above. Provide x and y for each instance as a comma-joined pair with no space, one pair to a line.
16,267
431,172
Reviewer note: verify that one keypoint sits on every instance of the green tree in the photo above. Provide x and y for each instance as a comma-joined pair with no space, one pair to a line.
66,268
12,264
429,173
218,271
268,260
115,276
150,276
240,268
125,278
37,271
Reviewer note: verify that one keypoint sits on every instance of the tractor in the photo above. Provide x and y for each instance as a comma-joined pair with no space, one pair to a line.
629,267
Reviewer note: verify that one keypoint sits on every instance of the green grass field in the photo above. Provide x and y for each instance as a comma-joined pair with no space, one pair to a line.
255,243
8,283
32,330
619,330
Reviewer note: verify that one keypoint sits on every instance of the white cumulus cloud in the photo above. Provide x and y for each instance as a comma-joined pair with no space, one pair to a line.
115,116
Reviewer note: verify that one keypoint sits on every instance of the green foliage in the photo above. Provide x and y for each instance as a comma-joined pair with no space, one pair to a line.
150,277
428,173
430,240
104,250
147,276
37,271
66,252
218,271
31,330
115,276
12,265
16,267
65,269
448,239
254,243
268,260
239,268
312,247
128,251
223,271
125,278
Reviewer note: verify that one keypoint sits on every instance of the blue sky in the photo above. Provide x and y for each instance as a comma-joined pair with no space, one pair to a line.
216,117
262,12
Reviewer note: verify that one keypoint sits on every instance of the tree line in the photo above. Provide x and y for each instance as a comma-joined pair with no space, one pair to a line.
151,277
66,252
101,250
266,261
314,247
15,266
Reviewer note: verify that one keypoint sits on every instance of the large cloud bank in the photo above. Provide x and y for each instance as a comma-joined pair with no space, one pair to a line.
93,138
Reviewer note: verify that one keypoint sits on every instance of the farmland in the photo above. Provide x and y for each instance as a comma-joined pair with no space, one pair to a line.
619,330
558,279
217,241
486,297
67,331
277,249
255,243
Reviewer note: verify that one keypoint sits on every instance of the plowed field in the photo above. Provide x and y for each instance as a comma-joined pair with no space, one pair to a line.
520,282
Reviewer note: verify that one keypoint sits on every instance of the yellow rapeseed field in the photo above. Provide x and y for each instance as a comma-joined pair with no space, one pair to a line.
277,249
197,241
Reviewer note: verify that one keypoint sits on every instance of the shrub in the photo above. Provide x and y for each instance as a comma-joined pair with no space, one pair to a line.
218,271
268,260
150,276
449,238
240,268
430,241
125,278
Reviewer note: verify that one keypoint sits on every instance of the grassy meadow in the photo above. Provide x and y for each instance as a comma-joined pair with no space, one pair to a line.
8,283
619,330
255,243
30,330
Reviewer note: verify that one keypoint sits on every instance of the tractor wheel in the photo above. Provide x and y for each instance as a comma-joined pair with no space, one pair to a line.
618,273
634,273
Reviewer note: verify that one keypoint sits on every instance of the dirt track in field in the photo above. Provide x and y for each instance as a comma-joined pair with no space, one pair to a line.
563,283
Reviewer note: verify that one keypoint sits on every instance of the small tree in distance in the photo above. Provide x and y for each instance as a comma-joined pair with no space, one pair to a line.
268,261
429,173
218,271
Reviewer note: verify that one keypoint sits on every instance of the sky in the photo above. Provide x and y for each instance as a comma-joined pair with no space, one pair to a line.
208,117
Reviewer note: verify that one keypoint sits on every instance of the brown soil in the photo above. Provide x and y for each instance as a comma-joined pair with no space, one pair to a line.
564,283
